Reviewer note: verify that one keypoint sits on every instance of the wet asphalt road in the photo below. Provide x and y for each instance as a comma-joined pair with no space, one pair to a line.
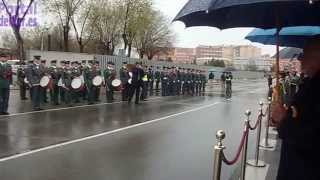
175,142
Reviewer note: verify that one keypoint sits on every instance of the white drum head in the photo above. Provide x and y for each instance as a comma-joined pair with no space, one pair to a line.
44,81
97,81
116,83
76,83
26,80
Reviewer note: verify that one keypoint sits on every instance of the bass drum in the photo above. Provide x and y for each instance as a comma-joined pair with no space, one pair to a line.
45,81
97,81
116,84
77,84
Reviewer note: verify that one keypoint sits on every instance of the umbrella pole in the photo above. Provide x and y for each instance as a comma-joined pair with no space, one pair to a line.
278,65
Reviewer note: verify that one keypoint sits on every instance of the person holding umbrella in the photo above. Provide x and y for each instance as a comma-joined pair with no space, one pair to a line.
298,123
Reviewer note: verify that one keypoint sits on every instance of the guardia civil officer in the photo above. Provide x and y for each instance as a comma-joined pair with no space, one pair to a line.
145,84
124,77
75,73
89,74
5,81
66,83
98,72
137,75
43,90
109,75
34,73
164,82
55,76
84,91
151,77
21,75
61,70
179,79
157,76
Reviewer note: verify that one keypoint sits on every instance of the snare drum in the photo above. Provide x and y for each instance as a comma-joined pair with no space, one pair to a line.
45,81
97,81
77,84
116,84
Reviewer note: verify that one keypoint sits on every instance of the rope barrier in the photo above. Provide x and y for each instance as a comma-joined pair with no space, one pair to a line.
257,123
236,158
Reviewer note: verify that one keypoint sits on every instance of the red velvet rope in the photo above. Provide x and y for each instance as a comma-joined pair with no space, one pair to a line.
257,123
236,158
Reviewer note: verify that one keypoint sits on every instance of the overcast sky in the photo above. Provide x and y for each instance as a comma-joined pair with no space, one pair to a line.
191,37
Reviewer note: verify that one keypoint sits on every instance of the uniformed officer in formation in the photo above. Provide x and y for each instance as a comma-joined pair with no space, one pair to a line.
5,82
76,73
91,72
165,82
109,75
55,75
43,90
21,75
35,71
136,83
84,91
124,78
66,83
61,70
151,77
157,76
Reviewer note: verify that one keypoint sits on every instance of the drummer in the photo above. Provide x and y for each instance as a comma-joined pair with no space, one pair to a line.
34,74
91,72
109,75
98,72
76,73
43,90
124,77
84,91
61,70
66,83
55,76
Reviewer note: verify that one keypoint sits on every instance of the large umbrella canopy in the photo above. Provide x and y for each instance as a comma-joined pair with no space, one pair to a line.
289,37
250,13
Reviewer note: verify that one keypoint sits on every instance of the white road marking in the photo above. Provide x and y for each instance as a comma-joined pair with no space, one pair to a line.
106,133
66,108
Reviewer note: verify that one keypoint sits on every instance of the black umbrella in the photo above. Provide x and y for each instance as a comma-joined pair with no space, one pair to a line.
252,13
264,14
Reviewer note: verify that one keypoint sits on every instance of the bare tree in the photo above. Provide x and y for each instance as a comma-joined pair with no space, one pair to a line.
155,37
64,10
135,11
16,20
83,24
107,26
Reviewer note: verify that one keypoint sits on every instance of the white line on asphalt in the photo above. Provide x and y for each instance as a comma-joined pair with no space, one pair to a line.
66,108
106,133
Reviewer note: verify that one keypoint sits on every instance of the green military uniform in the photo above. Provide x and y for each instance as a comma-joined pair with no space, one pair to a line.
55,74
109,75
124,77
43,91
5,81
34,73
21,75
89,73
75,73
66,81
203,81
157,76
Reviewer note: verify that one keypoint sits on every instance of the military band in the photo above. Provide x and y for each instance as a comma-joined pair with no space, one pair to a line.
69,83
